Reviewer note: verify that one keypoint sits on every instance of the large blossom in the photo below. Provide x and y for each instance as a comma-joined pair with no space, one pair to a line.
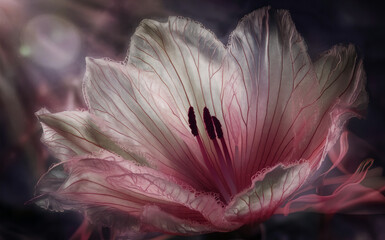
189,136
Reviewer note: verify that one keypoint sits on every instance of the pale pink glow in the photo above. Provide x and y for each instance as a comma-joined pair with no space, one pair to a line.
190,136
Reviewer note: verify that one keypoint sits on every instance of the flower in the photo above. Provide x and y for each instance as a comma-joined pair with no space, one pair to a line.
189,136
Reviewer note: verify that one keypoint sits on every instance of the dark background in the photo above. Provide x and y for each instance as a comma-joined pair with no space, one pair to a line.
39,69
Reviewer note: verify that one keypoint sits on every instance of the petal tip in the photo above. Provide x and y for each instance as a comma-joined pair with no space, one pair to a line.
41,112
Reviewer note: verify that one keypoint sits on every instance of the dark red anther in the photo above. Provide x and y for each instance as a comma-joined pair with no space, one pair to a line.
218,127
192,121
209,123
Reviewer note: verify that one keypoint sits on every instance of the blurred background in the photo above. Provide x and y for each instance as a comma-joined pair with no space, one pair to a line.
43,44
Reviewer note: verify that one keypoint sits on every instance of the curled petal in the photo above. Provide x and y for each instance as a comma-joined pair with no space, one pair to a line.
349,197
330,192
267,192
343,95
112,184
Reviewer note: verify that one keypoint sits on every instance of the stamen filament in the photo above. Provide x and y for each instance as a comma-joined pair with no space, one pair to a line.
225,168
214,173
229,165
226,152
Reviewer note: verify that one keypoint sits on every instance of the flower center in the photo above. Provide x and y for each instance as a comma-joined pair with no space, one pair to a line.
219,166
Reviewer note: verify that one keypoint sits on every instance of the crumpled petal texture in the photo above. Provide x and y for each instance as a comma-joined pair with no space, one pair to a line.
110,182
131,162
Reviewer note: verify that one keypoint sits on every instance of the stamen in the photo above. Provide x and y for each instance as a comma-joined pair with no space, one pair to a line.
218,127
192,121
219,166
208,123
226,159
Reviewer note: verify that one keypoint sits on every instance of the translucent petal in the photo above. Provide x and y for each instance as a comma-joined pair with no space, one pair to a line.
329,191
282,111
141,116
191,64
342,96
267,192
349,195
188,59
277,82
73,133
111,184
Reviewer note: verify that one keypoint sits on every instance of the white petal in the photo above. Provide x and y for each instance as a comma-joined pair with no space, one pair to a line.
142,117
282,111
342,94
188,59
74,133
267,192
191,63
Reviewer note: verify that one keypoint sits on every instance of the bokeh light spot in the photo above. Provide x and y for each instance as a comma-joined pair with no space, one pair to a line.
25,51
51,41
